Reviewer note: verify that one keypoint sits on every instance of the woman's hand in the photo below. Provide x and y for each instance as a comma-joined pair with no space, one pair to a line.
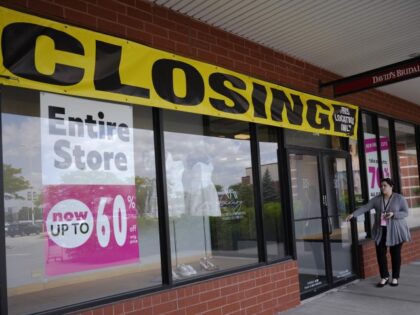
389,215
349,217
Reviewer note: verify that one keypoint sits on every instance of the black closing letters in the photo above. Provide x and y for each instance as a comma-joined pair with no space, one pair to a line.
176,83
316,118
18,45
218,83
163,82
107,72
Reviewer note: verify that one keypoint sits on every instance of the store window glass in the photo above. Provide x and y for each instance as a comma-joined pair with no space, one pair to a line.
80,200
357,185
270,183
315,140
371,156
385,147
408,170
372,168
210,194
357,182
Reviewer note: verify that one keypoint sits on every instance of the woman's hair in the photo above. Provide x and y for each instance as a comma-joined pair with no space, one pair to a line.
388,181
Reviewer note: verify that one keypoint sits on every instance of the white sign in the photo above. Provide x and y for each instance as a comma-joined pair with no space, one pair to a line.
85,141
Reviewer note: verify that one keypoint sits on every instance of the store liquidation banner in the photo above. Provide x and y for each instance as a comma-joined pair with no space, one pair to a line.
372,165
48,56
89,203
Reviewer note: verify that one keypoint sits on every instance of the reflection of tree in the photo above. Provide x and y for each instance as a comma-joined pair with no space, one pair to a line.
271,209
38,209
85,178
244,192
143,191
146,203
14,183
269,191
236,223
25,213
273,221
9,217
218,188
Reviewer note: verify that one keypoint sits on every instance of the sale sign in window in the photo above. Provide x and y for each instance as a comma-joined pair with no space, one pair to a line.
372,165
89,195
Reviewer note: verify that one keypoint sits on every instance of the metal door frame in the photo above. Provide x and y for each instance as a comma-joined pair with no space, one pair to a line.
320,154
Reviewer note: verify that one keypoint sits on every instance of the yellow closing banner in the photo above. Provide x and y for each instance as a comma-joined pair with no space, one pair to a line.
40,54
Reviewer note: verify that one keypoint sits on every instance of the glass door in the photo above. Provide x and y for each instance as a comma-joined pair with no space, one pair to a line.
308,221
320,202
339,238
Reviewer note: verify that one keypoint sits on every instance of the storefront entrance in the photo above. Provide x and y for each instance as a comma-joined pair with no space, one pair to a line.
320,198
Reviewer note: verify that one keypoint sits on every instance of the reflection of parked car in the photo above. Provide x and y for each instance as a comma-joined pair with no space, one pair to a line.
22,229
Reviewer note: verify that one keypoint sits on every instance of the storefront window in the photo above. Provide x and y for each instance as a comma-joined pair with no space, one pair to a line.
409,173
210,194
385,147
357,182
272,207
371,156
357,185
80,199
372,167
306,139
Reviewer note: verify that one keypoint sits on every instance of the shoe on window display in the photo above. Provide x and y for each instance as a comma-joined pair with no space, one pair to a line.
182,270
185,270
212,266
191,269
175,275
206,264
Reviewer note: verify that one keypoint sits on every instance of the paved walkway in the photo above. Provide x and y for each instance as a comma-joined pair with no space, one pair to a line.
363,297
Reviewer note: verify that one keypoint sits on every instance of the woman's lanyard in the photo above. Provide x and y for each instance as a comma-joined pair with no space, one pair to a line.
387,204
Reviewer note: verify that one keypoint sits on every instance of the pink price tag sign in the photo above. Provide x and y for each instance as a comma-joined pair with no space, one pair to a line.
89,227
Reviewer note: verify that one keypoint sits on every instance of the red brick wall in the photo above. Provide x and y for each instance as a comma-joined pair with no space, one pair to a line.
367,254
265,290
409,176
158,27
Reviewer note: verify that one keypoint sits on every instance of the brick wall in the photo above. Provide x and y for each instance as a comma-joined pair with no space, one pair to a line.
410,186
367,254
265,290
160,28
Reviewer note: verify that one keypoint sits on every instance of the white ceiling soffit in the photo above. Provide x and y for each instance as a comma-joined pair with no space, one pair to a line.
342,36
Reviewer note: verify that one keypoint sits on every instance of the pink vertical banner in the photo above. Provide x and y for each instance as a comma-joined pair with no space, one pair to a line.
89,227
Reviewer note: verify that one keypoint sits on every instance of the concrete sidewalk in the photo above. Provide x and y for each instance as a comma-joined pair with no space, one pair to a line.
363,297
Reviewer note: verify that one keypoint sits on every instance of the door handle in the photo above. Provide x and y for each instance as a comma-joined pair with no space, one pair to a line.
324,200
329,226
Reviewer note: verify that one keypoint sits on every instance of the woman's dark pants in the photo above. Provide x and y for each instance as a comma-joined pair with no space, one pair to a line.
395,257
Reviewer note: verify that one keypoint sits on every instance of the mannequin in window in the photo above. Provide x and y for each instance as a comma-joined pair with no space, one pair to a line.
201,196
176,207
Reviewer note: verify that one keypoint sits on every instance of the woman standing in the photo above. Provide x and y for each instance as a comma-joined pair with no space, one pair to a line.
389,229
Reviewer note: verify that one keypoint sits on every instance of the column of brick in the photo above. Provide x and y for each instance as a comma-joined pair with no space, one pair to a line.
265,290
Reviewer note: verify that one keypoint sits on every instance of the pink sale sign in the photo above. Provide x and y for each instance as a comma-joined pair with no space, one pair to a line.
89,227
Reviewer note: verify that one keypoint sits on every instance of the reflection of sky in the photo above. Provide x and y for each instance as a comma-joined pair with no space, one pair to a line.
22,149
268,152
21,146
144,153
229,157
